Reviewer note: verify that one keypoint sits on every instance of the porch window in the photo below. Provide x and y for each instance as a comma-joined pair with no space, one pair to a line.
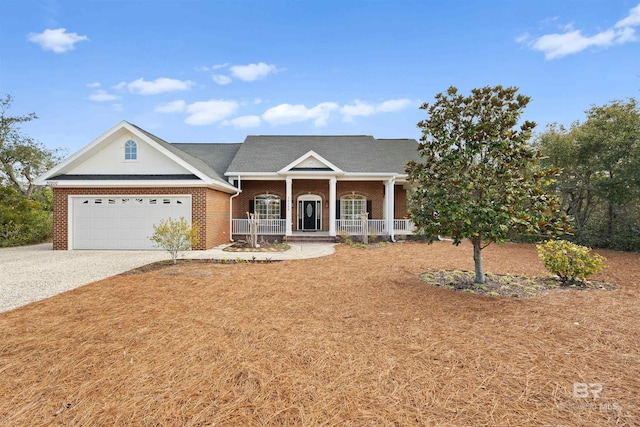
352,206
130,150
267,206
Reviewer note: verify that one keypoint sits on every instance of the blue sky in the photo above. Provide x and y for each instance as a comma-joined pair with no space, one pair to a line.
216,71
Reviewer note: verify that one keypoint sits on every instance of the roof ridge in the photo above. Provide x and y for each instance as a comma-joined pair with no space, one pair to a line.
314,136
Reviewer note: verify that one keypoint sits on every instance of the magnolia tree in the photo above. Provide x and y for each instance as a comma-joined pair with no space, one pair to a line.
478,178
175,236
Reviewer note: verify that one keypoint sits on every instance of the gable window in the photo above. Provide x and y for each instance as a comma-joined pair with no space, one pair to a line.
130,150
352,206
267,206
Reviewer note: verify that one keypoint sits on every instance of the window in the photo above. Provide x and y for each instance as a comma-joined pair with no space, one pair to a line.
130,150
352,206
267,206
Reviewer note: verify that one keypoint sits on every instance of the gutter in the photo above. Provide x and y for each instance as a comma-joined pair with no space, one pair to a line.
231,208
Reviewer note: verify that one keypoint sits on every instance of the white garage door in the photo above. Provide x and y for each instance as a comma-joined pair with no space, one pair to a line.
122,222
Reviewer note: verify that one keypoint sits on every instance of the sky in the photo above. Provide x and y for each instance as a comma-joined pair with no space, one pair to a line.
217,71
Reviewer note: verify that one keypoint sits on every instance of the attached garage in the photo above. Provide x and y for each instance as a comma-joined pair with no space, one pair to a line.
121,222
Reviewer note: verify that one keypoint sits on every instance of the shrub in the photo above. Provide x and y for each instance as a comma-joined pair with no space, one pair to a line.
175,236
569,261
22,220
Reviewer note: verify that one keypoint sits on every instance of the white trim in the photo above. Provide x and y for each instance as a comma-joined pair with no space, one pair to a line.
71,197
289,202
124,152
332,206
389,212
310,198
131,183
287,169
77,157
343,176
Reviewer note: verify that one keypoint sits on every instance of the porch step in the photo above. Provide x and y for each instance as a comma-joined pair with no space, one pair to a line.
309,239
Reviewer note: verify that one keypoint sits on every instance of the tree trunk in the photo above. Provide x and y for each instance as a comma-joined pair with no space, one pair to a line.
610,219
477,258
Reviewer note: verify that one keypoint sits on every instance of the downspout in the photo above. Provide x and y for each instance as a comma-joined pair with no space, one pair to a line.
391,211
231,208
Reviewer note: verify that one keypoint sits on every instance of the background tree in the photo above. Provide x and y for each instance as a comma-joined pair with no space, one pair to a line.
22,159
479,179
600,180
25,210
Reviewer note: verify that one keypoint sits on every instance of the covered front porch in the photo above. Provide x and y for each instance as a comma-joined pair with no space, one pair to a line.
313,205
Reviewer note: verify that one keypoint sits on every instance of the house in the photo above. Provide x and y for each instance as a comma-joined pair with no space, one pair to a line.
109,194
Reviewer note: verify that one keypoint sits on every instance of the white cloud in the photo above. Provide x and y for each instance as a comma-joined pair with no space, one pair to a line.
57,40
361,108
559,45
178,106
573,41
632,20
221,79
393,105
251,72
120,87
244,122
358,108
257,101
160,85
208,112
287,113
102,96
93,85
218,66
117,107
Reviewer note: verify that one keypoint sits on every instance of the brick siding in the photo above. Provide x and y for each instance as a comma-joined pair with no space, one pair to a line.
210,209
372,190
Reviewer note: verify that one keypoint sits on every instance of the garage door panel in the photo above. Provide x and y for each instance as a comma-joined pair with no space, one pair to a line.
122,222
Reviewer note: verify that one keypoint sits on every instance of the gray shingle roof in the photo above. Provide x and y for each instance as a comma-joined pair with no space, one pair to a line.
199,164
271,153
356,154
216,156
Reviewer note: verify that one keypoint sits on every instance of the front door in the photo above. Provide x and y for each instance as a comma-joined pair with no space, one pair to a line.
309,215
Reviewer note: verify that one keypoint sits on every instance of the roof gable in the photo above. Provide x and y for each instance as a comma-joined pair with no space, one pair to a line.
310,162
104,156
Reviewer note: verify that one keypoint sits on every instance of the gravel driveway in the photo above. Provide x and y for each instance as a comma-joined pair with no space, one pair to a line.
32,273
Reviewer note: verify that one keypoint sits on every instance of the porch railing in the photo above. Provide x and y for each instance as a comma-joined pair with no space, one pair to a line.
265,226
403,226
354,226
343,226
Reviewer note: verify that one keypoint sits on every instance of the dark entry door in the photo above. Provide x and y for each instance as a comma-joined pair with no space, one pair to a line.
309,215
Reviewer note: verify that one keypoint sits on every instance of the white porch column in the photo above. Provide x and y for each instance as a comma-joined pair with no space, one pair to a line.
289,201
332,206
389,201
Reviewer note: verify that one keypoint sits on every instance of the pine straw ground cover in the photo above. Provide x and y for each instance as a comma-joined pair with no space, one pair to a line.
352,339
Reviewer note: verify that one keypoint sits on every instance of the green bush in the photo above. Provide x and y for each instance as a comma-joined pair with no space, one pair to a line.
175,236
569,261
22,220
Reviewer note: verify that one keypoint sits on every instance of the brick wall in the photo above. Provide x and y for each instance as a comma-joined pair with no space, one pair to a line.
208,210
372,190
400,205
217,218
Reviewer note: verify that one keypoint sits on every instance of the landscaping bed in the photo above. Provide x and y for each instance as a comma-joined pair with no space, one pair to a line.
506,285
